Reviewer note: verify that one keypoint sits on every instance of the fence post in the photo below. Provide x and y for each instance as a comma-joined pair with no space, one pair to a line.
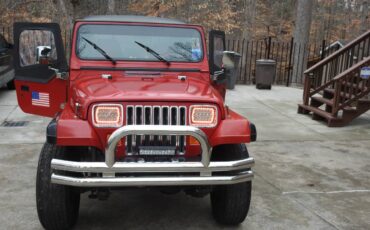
268,48
307,88
336,98
290,60
241,62
323,49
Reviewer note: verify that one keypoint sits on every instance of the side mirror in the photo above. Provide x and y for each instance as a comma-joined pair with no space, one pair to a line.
219,76
42,54
216,49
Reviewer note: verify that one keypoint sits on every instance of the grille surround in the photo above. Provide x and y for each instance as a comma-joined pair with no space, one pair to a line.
155,115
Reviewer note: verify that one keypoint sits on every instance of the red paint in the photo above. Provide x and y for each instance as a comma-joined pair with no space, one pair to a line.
232,130
91,88
72,131
56,88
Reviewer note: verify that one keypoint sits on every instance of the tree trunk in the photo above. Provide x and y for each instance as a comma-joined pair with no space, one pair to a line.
301,38
249,18
64,17
364,16
111,7
69,15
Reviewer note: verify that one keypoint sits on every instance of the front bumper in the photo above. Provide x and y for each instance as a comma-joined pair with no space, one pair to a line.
149,174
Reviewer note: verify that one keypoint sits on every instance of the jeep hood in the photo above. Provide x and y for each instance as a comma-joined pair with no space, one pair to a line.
87,90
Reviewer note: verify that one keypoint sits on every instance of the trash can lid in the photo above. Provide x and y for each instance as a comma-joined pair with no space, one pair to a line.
266,61
232,53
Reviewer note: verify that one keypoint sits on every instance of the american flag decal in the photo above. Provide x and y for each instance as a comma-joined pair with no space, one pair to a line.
40,99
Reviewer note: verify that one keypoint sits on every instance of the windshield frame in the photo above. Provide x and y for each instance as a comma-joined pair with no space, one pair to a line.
185,26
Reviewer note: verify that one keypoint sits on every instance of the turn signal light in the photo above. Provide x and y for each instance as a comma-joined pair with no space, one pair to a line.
203,115
193,141
108,115
120,142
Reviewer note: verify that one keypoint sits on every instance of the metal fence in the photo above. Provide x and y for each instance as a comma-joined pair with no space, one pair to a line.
282,52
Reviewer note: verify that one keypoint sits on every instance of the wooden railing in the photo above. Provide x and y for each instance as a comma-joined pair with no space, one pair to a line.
322,75
350,87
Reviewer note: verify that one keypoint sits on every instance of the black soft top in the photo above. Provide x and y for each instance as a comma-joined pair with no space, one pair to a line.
130,18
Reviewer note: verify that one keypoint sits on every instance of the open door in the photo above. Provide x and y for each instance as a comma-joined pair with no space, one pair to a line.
40,68
216,50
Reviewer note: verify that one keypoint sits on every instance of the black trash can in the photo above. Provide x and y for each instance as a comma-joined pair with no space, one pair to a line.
231,62
265,73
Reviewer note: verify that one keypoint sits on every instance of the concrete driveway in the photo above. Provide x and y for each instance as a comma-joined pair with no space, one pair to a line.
308,176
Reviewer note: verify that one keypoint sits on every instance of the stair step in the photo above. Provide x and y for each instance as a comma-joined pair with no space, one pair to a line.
319,112
364,101
330,102
331,91
323,100
354,85
363,104
348,109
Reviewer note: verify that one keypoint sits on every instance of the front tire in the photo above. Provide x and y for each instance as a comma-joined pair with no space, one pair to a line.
57,205
230,203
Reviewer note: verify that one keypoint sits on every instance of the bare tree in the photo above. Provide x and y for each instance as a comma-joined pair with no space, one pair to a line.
61,4
301,36
249,17
111,7
364,16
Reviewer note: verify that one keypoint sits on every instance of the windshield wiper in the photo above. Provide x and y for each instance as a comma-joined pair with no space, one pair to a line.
100,50
152,52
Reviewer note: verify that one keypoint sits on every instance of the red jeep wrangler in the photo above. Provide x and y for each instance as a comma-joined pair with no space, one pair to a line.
140,105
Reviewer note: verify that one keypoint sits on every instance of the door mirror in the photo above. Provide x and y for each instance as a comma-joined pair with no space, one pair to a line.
216,49
43,54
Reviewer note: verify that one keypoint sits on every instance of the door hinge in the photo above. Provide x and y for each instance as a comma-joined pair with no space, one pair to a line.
59,74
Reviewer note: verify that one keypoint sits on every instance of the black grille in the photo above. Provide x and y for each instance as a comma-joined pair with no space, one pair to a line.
155,115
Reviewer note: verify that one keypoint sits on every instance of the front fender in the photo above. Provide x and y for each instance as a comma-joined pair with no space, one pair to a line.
235,129
73,131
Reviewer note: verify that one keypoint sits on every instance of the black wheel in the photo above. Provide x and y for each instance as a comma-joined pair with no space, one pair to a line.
57,205
11,85
230,203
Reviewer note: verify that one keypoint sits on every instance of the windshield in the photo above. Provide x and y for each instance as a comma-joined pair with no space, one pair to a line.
121,43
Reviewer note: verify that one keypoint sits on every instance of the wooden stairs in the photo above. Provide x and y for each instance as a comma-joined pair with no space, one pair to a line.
334,90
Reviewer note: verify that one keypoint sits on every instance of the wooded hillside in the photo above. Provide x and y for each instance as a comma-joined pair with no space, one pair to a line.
250,19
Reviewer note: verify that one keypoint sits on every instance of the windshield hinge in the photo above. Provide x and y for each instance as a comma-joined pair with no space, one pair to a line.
217,75
60,74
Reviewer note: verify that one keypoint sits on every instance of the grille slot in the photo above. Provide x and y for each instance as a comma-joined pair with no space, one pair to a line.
155,115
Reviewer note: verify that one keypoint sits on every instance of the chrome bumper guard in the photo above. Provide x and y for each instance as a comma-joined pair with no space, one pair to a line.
109,168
